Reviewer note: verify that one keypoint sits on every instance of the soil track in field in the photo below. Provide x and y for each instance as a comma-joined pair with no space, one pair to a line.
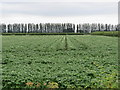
66,44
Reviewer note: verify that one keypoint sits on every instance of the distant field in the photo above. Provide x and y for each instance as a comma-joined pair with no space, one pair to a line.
107,33
60,61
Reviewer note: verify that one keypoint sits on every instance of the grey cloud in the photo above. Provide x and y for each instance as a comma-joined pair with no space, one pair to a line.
60,9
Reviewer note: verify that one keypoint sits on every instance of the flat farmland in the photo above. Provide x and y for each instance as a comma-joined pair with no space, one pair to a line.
59,61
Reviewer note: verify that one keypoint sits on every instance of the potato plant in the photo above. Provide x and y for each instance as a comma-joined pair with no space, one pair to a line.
64,61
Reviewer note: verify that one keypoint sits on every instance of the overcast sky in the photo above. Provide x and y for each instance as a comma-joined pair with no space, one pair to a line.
54,11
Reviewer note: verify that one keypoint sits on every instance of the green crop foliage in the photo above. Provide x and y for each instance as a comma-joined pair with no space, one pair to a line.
59,61
42,33
106,33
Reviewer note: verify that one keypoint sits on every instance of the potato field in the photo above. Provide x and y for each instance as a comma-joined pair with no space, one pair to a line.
59,61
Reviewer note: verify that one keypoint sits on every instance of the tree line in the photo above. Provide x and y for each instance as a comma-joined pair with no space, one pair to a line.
56,28
88,28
